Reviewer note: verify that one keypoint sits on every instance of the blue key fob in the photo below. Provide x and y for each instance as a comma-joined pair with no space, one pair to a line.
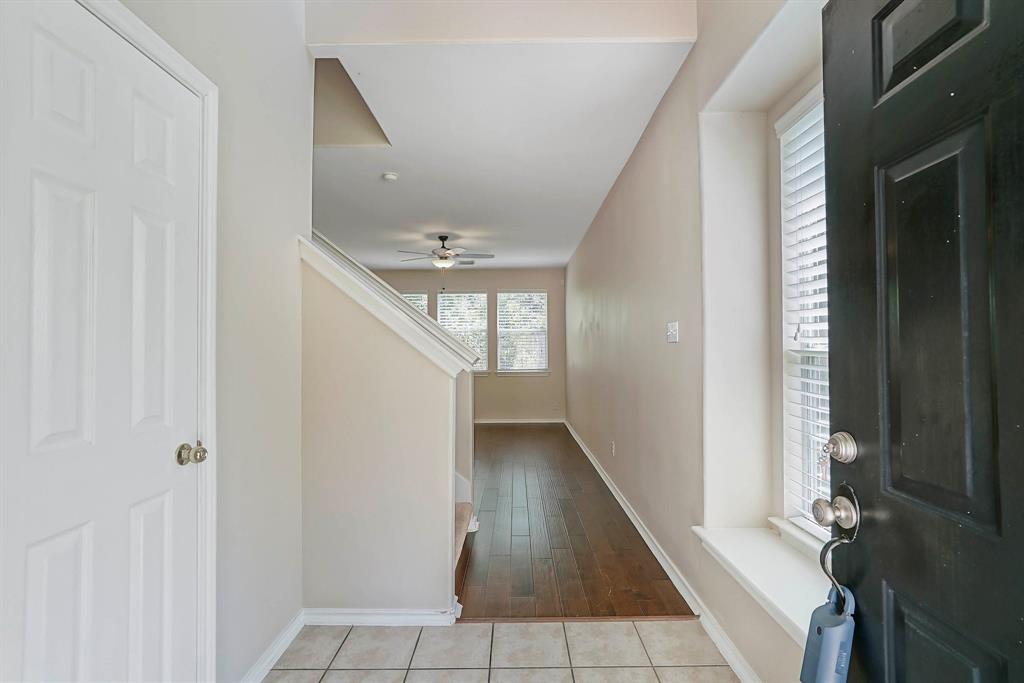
829,641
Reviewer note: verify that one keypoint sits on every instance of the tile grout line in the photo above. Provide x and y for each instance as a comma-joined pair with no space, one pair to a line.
408,667
568,653
644,646
340,645
490,655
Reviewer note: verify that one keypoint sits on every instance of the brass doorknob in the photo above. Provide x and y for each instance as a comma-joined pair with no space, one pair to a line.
187,453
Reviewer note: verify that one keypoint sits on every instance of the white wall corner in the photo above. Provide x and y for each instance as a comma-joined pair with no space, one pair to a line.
463,489
259,670
736,320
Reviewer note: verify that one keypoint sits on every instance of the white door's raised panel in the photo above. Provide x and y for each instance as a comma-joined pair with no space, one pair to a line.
150,589
63,313
99,353
63,86
152,371
58,607
154,138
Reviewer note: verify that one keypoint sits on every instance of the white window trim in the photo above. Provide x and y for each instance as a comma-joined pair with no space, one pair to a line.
812,99
523,373
796,531
535,372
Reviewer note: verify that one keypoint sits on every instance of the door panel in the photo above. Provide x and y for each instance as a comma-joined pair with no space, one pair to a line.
924,132
99,235
938,388
925,648
912,33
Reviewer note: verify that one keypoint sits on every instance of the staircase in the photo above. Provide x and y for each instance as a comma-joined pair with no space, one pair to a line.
387,449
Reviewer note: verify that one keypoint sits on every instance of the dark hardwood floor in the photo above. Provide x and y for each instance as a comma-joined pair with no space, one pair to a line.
553,541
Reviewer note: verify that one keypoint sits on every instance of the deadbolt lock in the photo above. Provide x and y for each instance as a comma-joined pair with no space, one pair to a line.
841,447
187,453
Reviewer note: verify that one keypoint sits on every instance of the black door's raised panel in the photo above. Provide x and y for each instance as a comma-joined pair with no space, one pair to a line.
924,167
911,33
935,306
922,648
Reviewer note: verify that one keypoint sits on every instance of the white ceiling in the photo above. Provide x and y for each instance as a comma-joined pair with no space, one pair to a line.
508,148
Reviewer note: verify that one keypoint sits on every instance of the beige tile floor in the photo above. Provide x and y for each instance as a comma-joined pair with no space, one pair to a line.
521,652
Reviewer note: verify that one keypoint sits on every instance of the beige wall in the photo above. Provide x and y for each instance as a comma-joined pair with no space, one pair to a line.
265,76
464,436
376,461
504,397
624,383
340,115
414,21
736,372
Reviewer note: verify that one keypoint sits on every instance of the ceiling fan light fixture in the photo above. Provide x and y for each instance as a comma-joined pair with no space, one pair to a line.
443,263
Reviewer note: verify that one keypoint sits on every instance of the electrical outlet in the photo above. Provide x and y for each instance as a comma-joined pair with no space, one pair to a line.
613,449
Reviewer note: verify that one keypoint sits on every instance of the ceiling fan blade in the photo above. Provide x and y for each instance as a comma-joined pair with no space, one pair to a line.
465,263
417,258
420,253
476,255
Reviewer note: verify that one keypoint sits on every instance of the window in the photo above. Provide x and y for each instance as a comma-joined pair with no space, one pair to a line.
464,314
522,331
417,299
805,313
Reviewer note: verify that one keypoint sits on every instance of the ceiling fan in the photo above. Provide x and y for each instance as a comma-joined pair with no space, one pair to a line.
445,257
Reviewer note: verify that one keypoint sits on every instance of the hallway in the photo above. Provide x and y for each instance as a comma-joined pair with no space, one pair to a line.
553,541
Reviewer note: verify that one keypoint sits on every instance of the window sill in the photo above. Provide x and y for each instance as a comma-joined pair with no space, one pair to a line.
787,583
523,373
807,539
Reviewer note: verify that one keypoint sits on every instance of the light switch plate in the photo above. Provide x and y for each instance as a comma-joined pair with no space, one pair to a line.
672,332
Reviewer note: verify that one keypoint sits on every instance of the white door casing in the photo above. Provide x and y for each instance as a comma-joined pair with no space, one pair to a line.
107,167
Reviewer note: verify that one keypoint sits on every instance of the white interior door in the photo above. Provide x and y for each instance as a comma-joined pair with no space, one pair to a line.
99,368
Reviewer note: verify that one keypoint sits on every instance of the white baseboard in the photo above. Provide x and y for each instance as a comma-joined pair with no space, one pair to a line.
520,421
262,667
669,566
728,648
740,666
329,616
342,617
387,617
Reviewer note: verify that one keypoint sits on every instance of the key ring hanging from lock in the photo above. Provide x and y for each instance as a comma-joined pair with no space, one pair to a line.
844,511
825,559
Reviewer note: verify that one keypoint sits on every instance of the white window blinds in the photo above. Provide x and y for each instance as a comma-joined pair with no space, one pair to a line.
805,310
522,331
464,314
417,299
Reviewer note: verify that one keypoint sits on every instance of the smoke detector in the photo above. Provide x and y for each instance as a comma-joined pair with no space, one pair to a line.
389,177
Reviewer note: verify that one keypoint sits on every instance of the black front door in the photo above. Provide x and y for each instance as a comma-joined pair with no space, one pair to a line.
924,134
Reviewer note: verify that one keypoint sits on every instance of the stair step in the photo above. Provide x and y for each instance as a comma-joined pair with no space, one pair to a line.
463,516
